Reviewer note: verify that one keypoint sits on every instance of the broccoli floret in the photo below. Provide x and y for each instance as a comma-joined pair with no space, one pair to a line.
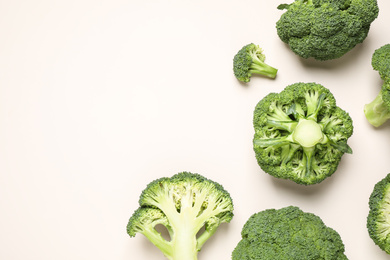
325,29
184,204
250,60
300,133
288,234
378,111
378,220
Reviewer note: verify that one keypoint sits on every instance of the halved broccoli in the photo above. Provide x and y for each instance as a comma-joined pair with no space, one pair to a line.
288,234
325,29
378,220
377,111
250,60
184,204
300,133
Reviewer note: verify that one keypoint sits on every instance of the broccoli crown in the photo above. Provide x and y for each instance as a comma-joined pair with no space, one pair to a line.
325,29
300,133
250,60
184,204
378,220
380,61
377,111
288,234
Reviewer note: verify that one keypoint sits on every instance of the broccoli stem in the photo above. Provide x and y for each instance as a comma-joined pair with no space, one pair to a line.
308,159
262,68
157,239
185,244
308,133
377,112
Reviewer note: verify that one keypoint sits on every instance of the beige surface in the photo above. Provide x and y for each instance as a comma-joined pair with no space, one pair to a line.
98,98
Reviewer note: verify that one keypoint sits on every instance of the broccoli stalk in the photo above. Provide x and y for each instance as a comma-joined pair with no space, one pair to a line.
184,204
250,60
377,111
300,133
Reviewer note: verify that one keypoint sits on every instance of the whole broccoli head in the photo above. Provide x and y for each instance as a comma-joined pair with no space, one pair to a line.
325,29
300,133
377,111
378,220
250,60
288,234
184,203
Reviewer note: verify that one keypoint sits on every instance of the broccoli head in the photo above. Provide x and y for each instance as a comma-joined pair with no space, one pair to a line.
288,234
184,203
325,29
250,60
377,111
378,220
300,133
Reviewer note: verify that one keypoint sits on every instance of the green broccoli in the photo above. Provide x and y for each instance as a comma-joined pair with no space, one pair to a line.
378,220
250,60
184,204
378,111
288,234
300,133
325,29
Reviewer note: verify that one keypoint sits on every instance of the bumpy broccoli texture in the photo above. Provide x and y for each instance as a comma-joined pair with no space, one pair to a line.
378,111
325,29
300,133
288,234
250,60
378,220
184,203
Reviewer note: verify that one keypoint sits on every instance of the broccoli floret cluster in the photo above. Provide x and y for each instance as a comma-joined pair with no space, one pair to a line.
325,29
300,133
378,220
377,111
288,234
249,60
184,203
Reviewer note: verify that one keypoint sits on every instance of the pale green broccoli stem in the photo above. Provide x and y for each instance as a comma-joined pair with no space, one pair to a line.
377,112
187,223
259,67
157,240
308,134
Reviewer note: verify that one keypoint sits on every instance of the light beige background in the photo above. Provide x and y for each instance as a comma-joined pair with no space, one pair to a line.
98,98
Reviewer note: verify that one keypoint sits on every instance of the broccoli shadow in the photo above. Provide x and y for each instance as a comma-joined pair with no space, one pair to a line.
346,60
304,190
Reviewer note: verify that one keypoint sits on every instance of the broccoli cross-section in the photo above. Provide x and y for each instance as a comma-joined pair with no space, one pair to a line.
185,204
288,234
325,29
300,133
377,111
250,60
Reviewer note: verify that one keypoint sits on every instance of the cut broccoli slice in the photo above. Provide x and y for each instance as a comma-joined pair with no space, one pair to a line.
300,133
184,204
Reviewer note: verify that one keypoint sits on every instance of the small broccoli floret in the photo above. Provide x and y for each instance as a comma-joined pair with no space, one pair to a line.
325,29
184,204
300,133
378,220
250,60
288,234
378,111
